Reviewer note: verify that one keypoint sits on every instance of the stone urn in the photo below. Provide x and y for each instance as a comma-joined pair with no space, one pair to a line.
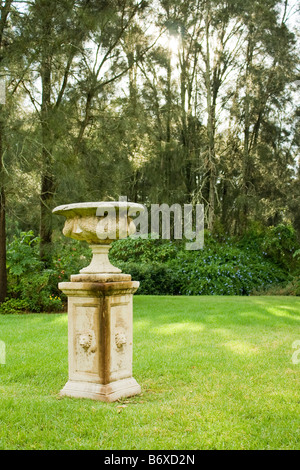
100,304
99,224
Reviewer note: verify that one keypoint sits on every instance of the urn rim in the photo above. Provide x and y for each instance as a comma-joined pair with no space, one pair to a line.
90,208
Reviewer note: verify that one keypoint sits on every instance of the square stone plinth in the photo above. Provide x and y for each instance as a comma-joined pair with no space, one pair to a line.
100,340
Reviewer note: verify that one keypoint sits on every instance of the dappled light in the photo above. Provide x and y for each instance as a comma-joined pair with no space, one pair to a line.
243,348
215,373
177,328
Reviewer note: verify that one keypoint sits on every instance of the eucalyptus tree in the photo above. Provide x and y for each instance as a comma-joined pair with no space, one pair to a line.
209,36
5,10
117,88
268,63
103,62
56,34
49,35
214,111
166,78
10,72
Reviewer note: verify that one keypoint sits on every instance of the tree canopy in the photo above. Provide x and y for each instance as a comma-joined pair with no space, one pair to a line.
164,102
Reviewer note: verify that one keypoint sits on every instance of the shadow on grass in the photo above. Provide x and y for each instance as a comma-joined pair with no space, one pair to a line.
225,311
215,333
215,373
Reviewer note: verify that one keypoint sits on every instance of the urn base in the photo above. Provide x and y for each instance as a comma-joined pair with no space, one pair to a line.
107,393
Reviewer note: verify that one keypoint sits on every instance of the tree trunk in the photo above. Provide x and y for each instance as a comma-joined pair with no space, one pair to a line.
185,118
47,178
210,130
47,191
246,154
5,11
3,272
166,156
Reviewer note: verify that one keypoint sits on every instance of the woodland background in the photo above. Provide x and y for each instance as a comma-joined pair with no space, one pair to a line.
167,101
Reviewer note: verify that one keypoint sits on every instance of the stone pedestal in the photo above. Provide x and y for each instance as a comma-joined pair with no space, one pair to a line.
100,304
100,338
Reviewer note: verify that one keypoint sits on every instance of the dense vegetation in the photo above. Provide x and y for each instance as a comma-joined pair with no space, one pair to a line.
262,261
163,102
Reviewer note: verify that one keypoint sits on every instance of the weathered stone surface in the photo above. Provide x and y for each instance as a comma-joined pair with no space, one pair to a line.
99,307
100,262
84,222
100,277
100,340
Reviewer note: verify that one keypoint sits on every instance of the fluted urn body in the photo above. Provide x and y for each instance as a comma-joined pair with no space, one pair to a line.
99,224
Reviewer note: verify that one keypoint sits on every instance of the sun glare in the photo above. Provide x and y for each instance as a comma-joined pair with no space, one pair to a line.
174,44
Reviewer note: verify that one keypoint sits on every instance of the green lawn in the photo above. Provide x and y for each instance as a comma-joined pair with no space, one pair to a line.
216,373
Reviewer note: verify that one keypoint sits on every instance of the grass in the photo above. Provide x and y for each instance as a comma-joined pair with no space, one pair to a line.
216,373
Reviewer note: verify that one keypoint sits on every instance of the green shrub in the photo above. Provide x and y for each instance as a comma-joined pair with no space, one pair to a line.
225,270
155,279
221,268
28,281
296,257
31,283
23,255
278,244
69,257
14,306
262,258
138,250
37,292
290,288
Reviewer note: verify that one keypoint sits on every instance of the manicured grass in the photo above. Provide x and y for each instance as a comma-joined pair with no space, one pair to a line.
216,373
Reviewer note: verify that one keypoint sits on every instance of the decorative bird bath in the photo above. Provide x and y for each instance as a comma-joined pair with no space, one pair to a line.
100,305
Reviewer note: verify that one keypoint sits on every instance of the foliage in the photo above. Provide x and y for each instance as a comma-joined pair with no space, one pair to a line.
98,105
23,255
160,139
296,254
13,306
226,271
69,257
223,267
144,250
36,290
291,288
280,244
155,279
28,280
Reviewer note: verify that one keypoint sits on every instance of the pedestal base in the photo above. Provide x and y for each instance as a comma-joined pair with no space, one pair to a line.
107,393
100,340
